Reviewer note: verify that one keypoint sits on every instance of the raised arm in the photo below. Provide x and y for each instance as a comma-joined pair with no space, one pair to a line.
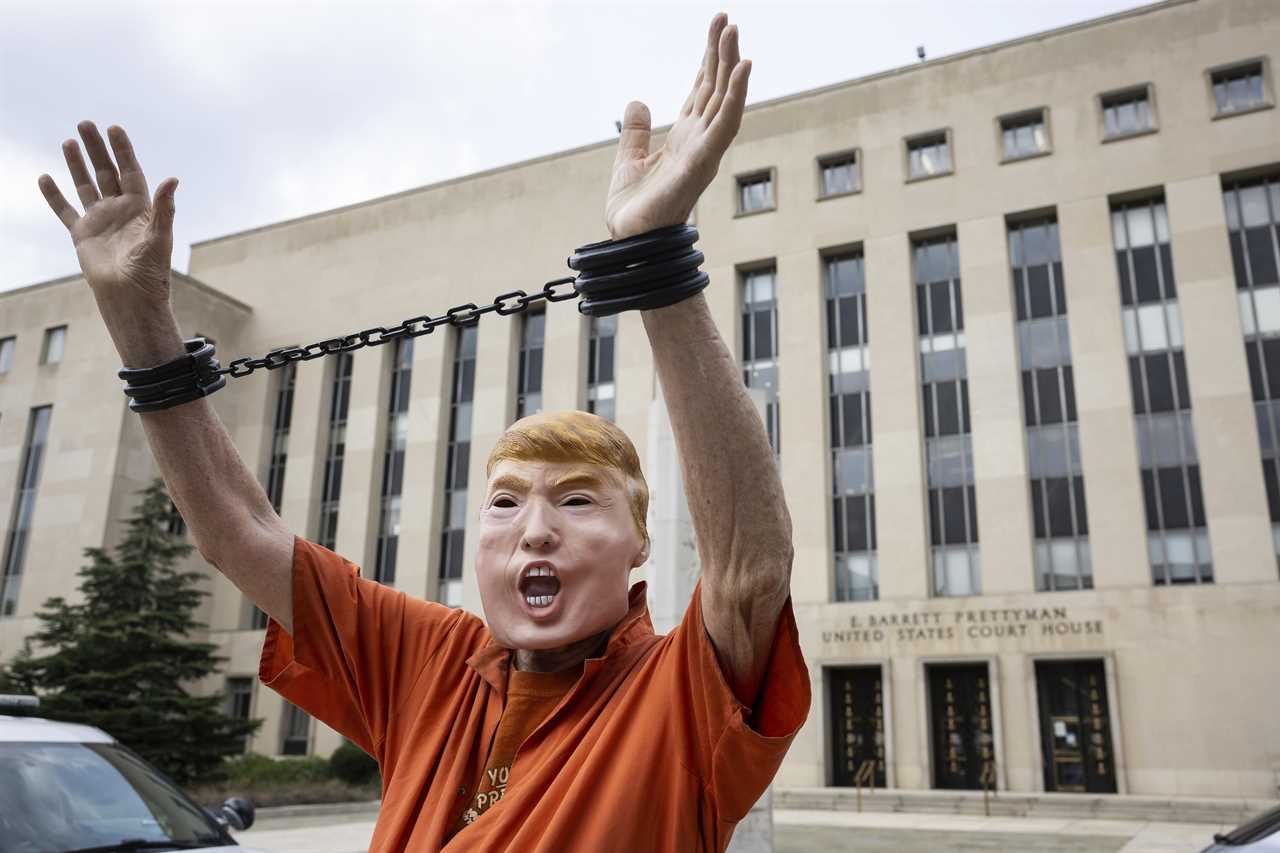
735,494
124,242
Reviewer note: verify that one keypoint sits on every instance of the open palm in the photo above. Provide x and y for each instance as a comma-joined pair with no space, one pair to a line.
124,240
652,190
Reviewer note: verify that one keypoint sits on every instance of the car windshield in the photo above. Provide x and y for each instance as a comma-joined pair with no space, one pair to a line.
68,796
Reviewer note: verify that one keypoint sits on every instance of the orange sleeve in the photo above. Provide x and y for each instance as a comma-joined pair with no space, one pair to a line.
737,750
357,649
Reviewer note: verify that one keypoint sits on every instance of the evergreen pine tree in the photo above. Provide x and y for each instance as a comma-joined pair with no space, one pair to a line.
121,658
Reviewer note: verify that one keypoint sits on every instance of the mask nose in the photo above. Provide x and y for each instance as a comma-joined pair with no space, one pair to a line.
539,532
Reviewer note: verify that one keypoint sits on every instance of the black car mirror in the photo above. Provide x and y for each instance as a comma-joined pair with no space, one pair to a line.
238,812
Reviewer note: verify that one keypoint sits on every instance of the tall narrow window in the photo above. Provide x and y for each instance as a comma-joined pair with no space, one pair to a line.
55,341
760,345
384,566
24,505
853,504
239,699
1062,557
6,353
340,400
1253,224
532,340
1177,536
601,388
953,510
458,457
295,730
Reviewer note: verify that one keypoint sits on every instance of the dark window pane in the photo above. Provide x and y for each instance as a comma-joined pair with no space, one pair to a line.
871,513
1059,506
1173,498
1159,382
1166,271
462,461
948,408
1197,496
1028,399
1037,507
1262,256
1060,288
954,530
1271,361
853,420
1180,381
1251,356
1149,499
837,524
605,373
922,308
1237,259
1050,404
849,335
1019,294
1269,474
856,522
929,430
467,381
1069,390
1041,298
1082,519
1135,384
833,340
1144,273
959,318
763,334
834,404
964,405
972,495
1122,266
940,301
935,516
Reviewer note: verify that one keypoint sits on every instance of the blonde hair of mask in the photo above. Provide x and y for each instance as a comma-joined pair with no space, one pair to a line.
574,436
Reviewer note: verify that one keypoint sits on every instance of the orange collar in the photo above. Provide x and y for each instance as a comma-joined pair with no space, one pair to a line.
493,661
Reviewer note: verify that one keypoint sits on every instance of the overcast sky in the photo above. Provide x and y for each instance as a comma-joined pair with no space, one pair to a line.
269,110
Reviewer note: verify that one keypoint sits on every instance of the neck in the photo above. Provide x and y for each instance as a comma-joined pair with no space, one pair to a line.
563,658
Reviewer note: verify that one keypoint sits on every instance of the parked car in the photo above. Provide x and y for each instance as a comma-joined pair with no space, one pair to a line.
67,788
1260,835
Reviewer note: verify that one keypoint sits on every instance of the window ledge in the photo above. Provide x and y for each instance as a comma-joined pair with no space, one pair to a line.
839,195
1019,158
1131,135
1244,111
918,178
742,213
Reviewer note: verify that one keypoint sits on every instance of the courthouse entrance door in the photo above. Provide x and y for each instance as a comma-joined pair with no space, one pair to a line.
1075,726
856,723
960,717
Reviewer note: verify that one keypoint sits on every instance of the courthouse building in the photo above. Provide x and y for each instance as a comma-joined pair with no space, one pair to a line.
1046,556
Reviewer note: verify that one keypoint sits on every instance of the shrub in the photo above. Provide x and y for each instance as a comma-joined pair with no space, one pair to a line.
257,770
353,765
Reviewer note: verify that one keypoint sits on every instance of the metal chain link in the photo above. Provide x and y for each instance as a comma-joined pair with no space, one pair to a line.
414,327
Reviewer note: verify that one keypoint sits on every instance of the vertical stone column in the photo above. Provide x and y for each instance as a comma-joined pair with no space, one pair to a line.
806,459
497,359
417,566
1104,403
564,362
1235,499
902,540
999,446
362,459
308,438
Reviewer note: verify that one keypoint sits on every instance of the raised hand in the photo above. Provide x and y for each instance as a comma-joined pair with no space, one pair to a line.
124,240
652,190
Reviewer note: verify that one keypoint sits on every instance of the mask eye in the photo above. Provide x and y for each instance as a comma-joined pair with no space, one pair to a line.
503,502
580,499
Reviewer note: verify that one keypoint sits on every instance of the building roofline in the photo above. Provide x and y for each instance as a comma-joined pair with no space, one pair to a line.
173,274
772,102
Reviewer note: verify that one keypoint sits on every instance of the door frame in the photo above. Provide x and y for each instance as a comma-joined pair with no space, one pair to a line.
886,708
1113,709
924,720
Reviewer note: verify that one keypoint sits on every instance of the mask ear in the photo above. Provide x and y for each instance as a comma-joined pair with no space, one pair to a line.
643,555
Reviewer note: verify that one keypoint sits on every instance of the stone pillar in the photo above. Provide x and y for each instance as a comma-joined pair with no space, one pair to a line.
1235,499
673,570
564,359
1108,443
417,566
362,465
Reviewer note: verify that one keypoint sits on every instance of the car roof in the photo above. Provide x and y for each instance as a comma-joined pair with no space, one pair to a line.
40,730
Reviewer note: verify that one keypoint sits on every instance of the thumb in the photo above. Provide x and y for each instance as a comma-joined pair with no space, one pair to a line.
163,206
633,144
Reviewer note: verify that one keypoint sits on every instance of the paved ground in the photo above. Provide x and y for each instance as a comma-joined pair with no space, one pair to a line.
821,832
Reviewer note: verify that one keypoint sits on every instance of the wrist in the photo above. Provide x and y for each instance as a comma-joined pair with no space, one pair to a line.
145,332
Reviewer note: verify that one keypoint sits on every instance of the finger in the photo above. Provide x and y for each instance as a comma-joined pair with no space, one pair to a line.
163,208
131,178
728,61
80,174
727,121
693,93
61,208
710,61
633,144
108,178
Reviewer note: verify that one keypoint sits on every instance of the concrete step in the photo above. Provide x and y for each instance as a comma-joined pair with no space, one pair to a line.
1212,810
